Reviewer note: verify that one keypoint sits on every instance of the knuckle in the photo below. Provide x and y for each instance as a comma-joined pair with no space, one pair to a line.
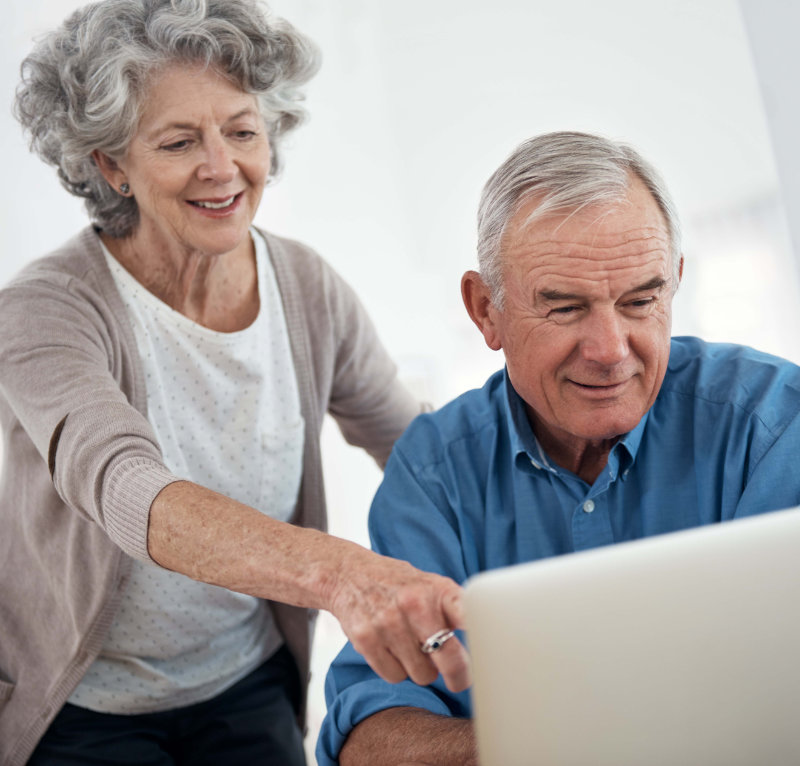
411,601
425,675
387,668
387,620
362,636
395,675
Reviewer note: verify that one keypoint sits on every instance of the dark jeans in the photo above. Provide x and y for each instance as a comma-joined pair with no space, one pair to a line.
251,724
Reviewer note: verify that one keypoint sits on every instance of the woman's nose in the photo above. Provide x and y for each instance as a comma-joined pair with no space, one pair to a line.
218,163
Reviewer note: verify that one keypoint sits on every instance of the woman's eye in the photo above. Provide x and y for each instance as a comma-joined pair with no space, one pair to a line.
176,146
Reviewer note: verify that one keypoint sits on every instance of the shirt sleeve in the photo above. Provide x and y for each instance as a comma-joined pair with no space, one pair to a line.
774,481
410,519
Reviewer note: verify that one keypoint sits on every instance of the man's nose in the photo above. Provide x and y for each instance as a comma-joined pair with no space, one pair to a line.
605,339
218,163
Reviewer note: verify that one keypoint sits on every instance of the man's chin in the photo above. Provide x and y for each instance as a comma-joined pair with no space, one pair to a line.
596,429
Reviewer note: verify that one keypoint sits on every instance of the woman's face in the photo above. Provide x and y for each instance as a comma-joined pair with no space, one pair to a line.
197,164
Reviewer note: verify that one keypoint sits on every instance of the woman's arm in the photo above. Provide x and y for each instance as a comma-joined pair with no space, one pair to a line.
386,607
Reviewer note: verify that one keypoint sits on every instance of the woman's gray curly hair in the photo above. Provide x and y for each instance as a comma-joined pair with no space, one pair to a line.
83,84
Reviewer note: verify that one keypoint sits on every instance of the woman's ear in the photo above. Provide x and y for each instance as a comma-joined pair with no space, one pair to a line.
109,169
477,296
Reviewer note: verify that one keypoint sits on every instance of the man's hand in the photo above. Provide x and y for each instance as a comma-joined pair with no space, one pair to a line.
387,608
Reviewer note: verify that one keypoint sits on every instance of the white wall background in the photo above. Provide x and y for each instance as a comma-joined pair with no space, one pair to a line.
416,104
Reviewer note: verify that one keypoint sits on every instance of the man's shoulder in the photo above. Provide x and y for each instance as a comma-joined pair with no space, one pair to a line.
463,421
730,374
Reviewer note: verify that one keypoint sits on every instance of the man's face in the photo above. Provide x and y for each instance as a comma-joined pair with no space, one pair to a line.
586,323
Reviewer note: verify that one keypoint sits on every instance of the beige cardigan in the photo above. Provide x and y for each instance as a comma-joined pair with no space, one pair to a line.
81,464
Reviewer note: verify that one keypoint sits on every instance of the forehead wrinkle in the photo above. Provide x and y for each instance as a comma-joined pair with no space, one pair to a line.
605,244
598,241
585,276
547,257
550,262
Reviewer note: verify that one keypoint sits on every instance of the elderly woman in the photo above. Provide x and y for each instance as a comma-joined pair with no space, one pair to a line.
163,379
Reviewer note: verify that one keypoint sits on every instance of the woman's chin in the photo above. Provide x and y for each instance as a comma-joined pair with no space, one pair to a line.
220,242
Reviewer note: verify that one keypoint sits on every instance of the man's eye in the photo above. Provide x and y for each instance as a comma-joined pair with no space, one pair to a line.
642,302
565,310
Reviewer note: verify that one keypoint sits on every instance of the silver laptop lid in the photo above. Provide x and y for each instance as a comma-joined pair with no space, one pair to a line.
679,649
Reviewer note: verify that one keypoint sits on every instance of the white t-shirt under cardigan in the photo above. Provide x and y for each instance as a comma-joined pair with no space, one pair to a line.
226,412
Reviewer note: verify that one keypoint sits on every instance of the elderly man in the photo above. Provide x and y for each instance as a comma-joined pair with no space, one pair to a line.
601,428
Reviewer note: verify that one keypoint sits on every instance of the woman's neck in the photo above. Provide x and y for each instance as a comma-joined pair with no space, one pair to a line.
217,291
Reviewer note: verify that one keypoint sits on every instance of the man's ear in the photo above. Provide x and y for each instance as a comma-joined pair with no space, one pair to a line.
680,270
477,297
110,170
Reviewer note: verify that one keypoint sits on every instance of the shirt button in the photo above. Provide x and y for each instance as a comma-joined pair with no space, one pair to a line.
588,506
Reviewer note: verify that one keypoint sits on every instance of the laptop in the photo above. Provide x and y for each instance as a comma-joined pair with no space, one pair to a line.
681,650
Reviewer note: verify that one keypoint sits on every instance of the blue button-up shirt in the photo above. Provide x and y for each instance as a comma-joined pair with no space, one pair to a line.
468,488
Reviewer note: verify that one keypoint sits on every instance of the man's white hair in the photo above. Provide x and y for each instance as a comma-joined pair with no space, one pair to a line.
567,172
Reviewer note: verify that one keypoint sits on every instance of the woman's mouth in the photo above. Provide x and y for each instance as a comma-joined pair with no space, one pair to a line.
216,204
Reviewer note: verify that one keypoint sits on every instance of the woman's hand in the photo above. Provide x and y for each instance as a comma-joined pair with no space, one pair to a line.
387,608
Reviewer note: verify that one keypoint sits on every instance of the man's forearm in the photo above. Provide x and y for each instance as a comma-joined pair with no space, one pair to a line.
410,736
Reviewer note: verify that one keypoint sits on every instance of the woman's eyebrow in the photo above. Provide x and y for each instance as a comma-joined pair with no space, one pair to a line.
178,125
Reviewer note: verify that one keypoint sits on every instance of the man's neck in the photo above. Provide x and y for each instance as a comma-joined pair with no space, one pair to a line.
585,458
589,464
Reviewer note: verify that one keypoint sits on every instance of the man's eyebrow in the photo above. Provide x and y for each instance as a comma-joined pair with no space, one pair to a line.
557,295
656,283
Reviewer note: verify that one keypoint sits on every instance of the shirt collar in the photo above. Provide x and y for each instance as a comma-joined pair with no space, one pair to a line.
524,441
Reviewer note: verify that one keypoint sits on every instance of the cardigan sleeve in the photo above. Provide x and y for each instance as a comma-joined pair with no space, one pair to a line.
61,361
368,401
337,347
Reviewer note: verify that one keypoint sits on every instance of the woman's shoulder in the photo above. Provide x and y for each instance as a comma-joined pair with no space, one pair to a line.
70,284
302,270
291,252
80,257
